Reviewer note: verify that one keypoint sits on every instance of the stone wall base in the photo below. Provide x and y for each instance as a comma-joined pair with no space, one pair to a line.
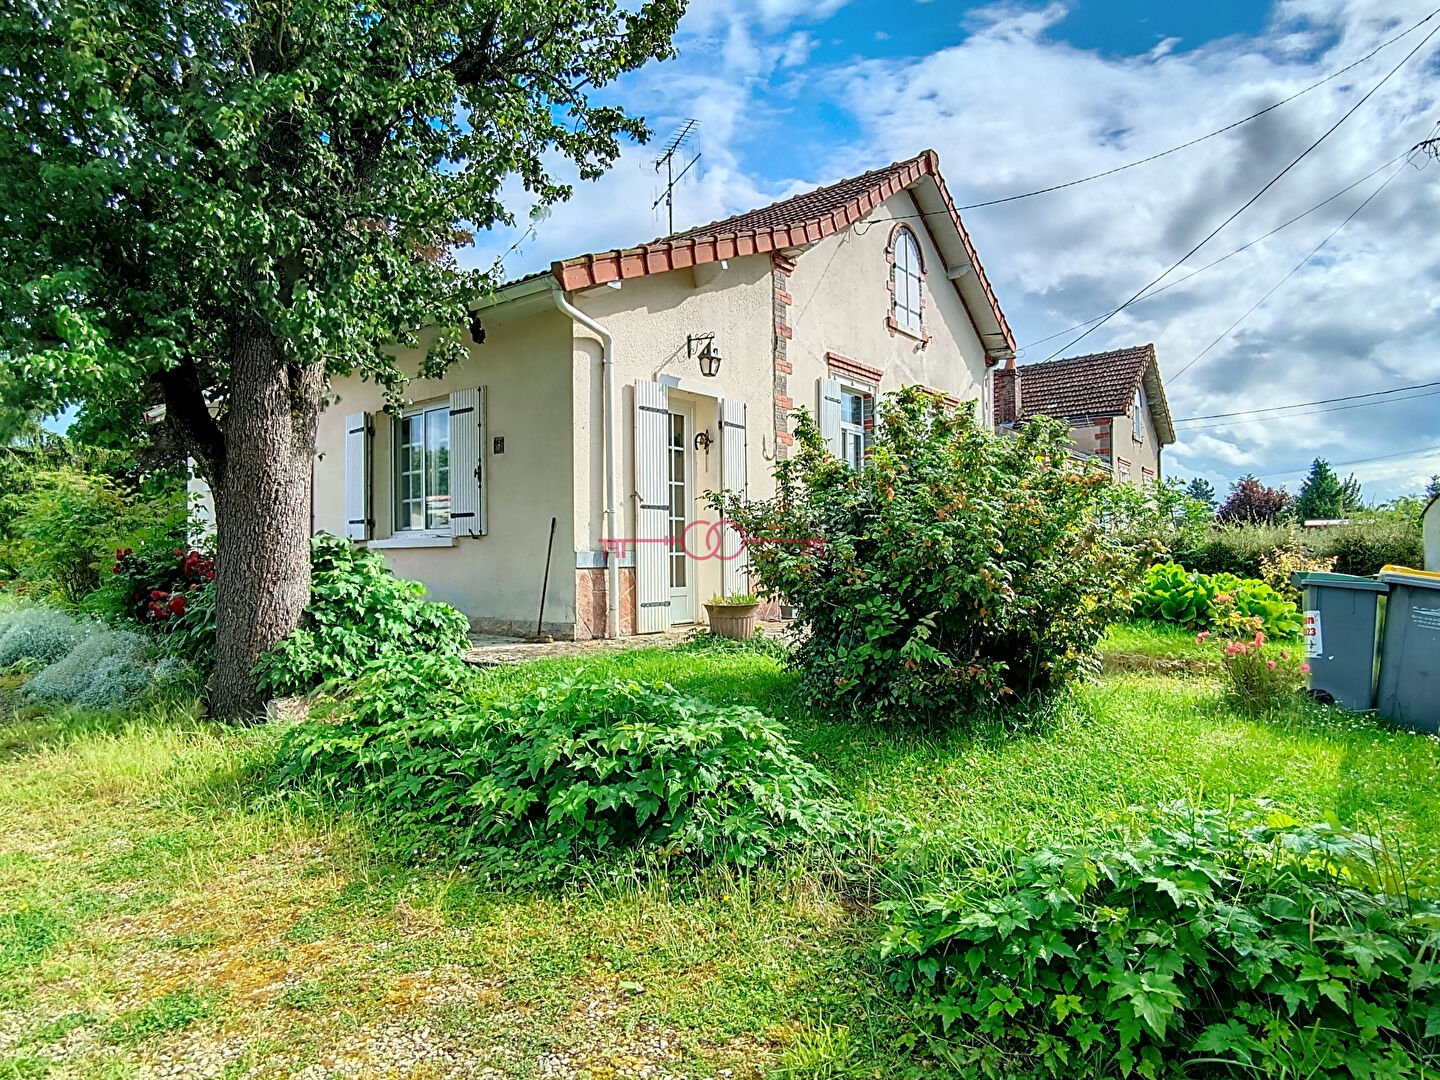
591,585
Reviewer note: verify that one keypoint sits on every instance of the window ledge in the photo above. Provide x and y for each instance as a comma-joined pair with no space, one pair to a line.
897,327
415,540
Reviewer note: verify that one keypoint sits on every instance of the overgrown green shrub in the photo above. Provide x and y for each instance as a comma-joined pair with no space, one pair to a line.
1377,538
36,633
1213,946
1364,548
1228,549
565,770
1208,601
359,611
959,567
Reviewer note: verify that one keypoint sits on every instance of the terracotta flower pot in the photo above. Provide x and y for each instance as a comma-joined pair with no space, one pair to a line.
737,621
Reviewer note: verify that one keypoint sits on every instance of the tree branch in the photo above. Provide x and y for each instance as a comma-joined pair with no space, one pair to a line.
188,415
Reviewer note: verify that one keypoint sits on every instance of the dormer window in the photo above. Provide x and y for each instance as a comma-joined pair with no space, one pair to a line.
905,278
1139,411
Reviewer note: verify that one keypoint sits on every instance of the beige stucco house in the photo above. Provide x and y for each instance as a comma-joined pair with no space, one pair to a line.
1113,401
593,398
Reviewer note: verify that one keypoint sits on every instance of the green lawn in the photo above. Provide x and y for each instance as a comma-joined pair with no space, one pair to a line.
161,907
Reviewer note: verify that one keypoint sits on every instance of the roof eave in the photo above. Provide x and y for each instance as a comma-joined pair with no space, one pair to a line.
587,271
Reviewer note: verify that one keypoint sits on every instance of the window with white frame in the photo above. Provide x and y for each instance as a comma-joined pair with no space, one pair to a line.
906,277
1139,410
856,412
422,469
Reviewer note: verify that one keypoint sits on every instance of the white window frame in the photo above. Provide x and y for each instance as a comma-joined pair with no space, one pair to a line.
850,429
440,405
907,277
1139,419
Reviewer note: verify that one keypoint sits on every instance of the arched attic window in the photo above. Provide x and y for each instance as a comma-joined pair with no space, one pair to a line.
906,275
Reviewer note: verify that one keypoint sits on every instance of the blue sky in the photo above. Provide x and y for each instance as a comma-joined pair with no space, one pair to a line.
795,93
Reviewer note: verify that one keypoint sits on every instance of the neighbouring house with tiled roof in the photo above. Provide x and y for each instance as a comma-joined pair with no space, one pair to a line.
1113,401
612,392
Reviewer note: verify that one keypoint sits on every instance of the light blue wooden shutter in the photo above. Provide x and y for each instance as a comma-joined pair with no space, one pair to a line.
829,414
652,508
467,463
734,568
358,519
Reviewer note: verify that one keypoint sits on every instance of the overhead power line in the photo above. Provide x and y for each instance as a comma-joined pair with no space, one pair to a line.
1214,424
1230,254
1307,404
1256,197
1358,461
1291,273
1209,135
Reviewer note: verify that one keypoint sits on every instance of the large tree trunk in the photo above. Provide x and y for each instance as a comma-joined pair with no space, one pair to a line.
262,513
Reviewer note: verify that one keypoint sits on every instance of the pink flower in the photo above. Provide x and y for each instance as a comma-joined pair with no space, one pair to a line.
1305,668
1200,637
1224,598
1259,639
1270,664
1233,648
1284,655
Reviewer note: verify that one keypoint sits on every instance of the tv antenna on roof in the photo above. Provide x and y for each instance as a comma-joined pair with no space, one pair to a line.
684,135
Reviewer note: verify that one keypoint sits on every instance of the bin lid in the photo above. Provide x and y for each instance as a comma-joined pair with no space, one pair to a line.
1403,575
1341,581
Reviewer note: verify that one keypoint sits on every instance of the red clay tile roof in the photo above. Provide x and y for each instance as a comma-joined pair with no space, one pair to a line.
1098,384
791,223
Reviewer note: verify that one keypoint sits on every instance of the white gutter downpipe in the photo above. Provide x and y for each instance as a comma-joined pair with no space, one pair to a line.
607,442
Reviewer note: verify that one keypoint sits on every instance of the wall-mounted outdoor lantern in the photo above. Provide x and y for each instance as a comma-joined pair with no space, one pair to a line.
709,354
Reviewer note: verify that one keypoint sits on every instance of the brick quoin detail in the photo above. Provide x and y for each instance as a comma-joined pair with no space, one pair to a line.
781,267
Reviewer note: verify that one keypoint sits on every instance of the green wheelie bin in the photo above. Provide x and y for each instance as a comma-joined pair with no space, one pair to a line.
1410,656
1341,613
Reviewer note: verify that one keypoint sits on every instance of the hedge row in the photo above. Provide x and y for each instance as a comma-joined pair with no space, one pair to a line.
1362,548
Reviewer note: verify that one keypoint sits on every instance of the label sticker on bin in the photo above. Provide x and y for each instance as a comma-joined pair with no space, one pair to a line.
1314,638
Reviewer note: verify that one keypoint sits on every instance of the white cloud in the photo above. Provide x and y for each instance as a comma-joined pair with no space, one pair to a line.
1013,107
1010,110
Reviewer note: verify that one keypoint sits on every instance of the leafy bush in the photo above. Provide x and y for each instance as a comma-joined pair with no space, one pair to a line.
1212,946
108,668
1378,538
1363,548
1228,549
359,611
1277,567
65,527
564,770
958,567
167,589
36,633
1205,601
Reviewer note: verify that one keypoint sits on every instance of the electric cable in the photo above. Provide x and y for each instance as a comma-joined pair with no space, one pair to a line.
1231,254
1218,131
1306,404
1256,197
1292,272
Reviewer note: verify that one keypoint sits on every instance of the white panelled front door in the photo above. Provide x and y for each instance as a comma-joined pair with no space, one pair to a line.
680,478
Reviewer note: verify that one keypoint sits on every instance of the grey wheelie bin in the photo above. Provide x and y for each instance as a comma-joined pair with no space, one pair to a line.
1341,613
1410,656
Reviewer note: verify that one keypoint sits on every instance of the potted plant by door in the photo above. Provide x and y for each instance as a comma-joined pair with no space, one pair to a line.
733,616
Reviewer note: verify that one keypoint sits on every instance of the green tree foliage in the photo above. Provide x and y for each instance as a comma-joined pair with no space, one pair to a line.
226,203
1324,495
1201,490
959,566
1252,503
1432,489
1213,945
